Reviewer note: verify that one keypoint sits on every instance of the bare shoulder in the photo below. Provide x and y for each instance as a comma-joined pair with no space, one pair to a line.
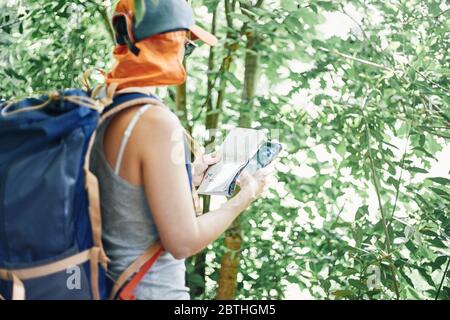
160,118
158,129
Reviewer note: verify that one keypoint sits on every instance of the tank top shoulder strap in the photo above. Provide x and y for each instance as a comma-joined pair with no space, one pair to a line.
127,134
126,137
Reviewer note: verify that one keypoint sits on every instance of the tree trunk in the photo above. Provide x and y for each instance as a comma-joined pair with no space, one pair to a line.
199,260
230,263
213,111
233,238
181,103
250,82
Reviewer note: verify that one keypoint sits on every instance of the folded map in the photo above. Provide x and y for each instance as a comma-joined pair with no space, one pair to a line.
238,148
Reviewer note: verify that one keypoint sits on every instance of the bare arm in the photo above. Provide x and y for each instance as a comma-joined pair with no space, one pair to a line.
166,183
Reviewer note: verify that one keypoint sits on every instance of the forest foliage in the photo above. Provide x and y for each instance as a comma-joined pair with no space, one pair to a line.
356,214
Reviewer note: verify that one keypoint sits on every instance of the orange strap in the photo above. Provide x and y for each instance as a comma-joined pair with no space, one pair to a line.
17,275
133,268
143,263
91,181
127,292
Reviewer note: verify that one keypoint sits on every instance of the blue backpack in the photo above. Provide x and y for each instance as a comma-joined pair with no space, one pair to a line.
50,221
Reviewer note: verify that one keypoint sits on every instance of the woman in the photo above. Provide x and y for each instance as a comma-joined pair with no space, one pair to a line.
145,191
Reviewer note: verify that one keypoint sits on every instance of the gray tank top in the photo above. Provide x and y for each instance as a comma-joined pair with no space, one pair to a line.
128,226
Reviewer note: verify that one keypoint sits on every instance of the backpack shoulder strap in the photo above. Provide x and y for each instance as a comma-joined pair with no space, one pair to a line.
139,268
128,100
120,103
136,271
130,278
91,182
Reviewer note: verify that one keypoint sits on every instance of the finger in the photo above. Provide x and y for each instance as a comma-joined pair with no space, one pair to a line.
266,185
216,154
244,176
211,158
198,160
266,170
276,161
271,180
270,166
265,191
199,168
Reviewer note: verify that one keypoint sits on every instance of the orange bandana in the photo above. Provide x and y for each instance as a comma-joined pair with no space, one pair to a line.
158,62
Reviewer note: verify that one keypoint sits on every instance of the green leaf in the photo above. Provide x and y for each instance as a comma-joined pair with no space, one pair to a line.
343,294
432,145
362,211
426,276
327,5
440,192
439,262
434,8
196,279
440,180
13,74
428,232
341,148
438,243
357,284
416,169
406,278
393,182
289,5
292,279
232,78
349,271
421,140
211,4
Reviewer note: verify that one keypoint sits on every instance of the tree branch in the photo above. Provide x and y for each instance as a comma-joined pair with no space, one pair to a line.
103,11
442,280
366,62
380,204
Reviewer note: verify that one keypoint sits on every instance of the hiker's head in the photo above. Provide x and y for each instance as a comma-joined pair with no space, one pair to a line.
149,52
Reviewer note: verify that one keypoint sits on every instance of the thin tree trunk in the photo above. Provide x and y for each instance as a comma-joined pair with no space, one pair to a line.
229,266
233,238
213,110
199,260
250,82
181,103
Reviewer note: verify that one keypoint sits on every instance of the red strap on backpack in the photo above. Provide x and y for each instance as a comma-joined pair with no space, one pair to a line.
127,292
